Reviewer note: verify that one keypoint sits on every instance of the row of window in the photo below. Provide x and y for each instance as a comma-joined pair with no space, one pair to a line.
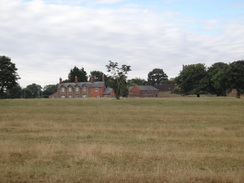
77,89
77,96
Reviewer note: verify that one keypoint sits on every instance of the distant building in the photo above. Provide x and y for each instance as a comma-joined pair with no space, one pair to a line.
83,89
165,87
143,91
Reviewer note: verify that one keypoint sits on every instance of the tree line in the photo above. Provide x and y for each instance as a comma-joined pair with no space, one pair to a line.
219,79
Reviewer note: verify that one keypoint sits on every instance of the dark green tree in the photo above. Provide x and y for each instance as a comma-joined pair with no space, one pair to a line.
192,80
35,89
137,81
156,77
117,78
98,75
49,90
8,75
217,79
80,73
235,73
66,81
26,93
14,92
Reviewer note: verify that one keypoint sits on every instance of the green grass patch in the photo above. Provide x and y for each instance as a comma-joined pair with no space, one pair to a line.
127,140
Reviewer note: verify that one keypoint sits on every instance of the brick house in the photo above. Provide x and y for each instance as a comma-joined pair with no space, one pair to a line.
165,87
143,91
83,89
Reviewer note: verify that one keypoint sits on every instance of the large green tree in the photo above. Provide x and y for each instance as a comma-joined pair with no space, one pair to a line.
98,75
49,90
137,81
14,92
217,78
192,80
35,89
117,78
8,75
157,76
26,93
235,75
80,73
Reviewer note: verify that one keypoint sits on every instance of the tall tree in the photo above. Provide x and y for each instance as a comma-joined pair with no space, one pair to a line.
192,80
117,78
35,89
14,92
26,93
80,73
8,75
217,78
235,73
157,76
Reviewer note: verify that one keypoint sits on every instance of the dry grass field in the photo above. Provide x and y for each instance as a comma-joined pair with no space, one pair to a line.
174,140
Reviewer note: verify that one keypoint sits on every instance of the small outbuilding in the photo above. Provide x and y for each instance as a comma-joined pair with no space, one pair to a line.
143,91
165,87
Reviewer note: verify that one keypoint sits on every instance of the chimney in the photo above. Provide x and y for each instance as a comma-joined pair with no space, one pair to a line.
76,79
60,80
91,79
103,78
184,66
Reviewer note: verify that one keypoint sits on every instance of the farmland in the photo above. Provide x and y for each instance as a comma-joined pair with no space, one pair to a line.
129,140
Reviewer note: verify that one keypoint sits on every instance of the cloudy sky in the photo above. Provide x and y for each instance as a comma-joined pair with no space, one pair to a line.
46,38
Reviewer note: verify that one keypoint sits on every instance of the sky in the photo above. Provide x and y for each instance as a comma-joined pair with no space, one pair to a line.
47,38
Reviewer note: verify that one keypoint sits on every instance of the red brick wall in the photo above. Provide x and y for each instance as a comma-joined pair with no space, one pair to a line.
136,92
60,93
70,94
90,92
149,93
95,92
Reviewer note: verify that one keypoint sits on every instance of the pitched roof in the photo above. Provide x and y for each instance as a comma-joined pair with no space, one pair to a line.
165,87
98,84
107,91
146,87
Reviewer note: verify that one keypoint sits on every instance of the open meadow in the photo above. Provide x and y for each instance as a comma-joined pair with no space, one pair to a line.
153,140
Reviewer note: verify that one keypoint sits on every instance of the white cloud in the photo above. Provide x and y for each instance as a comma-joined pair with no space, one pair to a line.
108,1
88,2
47,40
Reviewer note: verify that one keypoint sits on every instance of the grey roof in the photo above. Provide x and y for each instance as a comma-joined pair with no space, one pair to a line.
146,87
98,84
165,87
130,87
107,91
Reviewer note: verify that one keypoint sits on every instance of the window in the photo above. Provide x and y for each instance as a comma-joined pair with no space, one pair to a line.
84,89
96,90
63,90
77,89
70,89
